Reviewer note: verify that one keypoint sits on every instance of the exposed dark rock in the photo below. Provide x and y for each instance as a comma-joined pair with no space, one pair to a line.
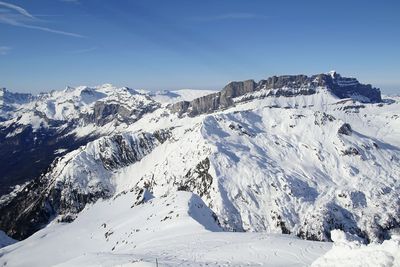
205,104
322,118
143,195
287,85
235,89
328,218
104,113
279,222
198,180
351,151
345,129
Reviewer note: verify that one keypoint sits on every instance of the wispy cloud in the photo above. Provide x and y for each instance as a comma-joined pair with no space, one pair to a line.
230,16
16,8
18,16
4,50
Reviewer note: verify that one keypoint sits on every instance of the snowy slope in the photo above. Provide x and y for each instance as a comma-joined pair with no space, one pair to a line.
80,177
284,169
304,165
347,251
168,97
177,229
298,160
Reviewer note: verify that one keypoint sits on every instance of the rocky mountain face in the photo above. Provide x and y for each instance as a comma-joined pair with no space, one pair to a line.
287,86
291,154
10,101
37,129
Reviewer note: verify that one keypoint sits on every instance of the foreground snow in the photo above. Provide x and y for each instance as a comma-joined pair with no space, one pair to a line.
177,230
348,251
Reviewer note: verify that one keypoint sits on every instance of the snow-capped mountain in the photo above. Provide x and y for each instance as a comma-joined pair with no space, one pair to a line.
290,154
9,102
37,129
40,128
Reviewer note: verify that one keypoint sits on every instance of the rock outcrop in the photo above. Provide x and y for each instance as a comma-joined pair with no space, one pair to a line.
287,85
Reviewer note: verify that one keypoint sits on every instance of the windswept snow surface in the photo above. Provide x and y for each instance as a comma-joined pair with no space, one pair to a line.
349,252
177,230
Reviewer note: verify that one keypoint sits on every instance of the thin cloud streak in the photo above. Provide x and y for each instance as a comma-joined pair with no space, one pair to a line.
19,9
50,30
22,18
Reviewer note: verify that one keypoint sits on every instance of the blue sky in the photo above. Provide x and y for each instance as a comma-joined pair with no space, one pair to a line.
160,44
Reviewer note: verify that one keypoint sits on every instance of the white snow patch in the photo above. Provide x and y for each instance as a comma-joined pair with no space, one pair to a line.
347,252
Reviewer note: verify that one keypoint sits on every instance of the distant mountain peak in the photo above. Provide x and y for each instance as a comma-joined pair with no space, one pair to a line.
333,74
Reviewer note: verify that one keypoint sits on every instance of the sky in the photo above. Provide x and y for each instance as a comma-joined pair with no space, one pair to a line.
160,44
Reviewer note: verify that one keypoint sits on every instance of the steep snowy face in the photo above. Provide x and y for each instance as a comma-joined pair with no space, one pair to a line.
276,86
80,177
279,168
302,172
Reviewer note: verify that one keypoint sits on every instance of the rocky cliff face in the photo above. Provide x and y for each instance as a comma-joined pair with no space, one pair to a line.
288,86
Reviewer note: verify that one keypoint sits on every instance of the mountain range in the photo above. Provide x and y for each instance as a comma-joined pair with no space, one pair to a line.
295,154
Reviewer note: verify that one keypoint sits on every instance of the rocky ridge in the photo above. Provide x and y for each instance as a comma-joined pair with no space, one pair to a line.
276,86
